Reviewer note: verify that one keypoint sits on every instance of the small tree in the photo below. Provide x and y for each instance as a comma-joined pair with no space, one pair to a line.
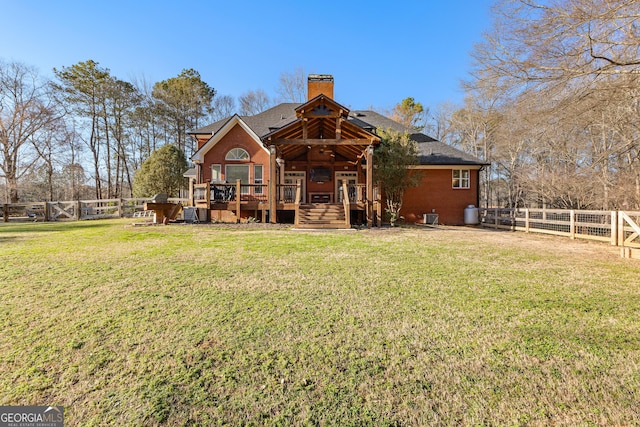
161,173
393,160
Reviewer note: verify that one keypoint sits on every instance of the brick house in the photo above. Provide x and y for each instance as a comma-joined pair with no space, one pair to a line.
296,162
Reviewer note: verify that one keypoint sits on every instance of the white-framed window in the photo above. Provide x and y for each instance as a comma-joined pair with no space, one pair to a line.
216,173
461,178
237,154
257,178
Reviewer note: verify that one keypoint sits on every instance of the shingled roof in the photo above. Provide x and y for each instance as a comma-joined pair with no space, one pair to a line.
261,123
430,150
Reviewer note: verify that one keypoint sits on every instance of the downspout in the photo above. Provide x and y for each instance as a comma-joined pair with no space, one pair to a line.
199,172
478,187
272,184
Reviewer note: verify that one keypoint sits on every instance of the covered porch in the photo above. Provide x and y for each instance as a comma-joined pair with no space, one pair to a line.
320,174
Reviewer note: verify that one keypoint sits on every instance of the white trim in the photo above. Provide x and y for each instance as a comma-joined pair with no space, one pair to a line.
461,179
219,166
198,156
470,167
242,151
343,176
255,177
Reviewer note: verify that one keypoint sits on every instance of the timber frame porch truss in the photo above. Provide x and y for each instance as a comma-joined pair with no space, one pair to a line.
322,122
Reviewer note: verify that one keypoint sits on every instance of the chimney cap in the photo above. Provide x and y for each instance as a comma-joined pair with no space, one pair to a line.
320,77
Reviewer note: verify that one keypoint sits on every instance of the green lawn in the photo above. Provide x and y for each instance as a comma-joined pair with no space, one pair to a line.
202,325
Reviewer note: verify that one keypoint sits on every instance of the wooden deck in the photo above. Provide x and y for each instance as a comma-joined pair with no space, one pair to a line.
253,202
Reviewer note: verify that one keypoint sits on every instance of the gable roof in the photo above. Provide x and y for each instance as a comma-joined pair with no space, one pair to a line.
321,105
321,121
430,150
222,128
261,123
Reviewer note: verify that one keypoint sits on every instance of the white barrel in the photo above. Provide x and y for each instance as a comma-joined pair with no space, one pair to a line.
471,215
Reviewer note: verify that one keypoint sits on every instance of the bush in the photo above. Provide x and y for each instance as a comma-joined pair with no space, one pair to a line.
161,173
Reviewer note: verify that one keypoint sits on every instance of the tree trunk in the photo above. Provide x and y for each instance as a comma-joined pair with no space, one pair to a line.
13,189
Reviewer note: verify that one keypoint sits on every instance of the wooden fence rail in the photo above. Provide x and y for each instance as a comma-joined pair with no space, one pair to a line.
75,209
619,228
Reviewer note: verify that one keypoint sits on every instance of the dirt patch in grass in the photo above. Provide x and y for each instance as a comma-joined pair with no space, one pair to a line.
516,241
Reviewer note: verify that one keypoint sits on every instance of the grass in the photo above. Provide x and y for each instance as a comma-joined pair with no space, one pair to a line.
200,325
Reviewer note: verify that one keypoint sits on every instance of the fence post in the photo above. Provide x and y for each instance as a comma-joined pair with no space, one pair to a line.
5,212
121,208
526,220
614,228
78,212
45,210
620,228
207,195
496,219
191,198
238,199
572,224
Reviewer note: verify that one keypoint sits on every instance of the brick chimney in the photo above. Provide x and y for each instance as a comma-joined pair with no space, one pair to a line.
319,84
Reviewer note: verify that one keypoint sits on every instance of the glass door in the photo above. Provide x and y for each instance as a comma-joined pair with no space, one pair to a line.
351,178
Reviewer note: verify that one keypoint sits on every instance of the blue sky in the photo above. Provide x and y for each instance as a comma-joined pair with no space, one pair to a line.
378,51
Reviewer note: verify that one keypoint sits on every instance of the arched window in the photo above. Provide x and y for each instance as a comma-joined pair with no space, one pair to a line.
237,154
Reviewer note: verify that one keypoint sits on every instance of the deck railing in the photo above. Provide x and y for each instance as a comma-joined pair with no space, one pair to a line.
226,193
221,193
287,193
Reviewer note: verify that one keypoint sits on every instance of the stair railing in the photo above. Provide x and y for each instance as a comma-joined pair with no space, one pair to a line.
347,205
297,202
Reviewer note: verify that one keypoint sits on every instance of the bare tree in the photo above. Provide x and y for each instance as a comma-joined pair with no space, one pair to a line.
562,77
558,41
26,109
292,87
438,122
49,147
254,102
223,106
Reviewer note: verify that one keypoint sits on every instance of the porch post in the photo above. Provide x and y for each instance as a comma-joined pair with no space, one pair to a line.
369,186
281,166
272,184
198,173
238,200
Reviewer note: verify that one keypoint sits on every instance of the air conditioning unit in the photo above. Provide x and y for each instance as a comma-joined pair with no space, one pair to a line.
430,219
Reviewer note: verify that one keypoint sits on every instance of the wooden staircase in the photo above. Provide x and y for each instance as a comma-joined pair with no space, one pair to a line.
322,215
